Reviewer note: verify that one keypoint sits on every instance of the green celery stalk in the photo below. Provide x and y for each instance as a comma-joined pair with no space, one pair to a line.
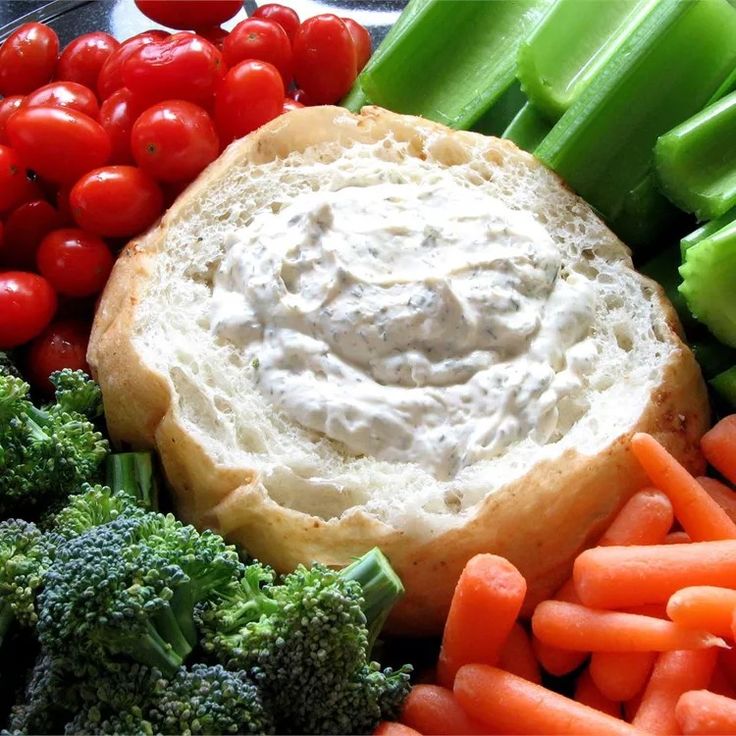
603,144
725,385
696,161
496,119
528,128
713,357
570,46
454,61
708,278
706,231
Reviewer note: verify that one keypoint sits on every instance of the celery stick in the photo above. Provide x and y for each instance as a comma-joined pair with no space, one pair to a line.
454,61
663,269
495,120
713,357
706,230
570,46
696,161
528,128
725,385
603,144
709,275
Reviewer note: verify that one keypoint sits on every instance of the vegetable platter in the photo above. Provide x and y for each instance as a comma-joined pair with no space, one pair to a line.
367,367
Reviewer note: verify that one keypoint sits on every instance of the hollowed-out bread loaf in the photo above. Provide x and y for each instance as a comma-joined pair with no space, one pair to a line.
359,330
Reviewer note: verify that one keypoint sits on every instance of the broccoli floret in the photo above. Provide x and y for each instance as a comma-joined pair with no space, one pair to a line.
7,366
133,473
306,644
77,392
45,454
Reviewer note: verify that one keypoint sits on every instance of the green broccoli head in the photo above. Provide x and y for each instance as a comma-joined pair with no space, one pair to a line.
77,393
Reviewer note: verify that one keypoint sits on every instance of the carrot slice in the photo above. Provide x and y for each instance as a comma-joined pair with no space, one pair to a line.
431,709
700,516
570,626
517,655
719,446
587,693
724,496
620,577
703,607
703,712
512,705
484,607
391,728
674,674
621,675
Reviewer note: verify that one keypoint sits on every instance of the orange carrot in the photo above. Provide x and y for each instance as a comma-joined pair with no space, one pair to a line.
631,706
720,682
620,577
512,705
657,610
644,519
700,516
727,662
703,712
674,674
390,728
621,675
703,607
570,626
431,709
517,655
724,496
677,538
484,607
587,693
719,446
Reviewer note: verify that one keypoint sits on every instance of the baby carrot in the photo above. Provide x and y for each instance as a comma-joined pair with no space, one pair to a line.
644,519
703,607
570,626
511,705
720,683
431,709
484,607
587,693
390,728
700,516
674,673
658,610
721,494
703,712
677,538
631,706
719,446
620,577
517,655
621,675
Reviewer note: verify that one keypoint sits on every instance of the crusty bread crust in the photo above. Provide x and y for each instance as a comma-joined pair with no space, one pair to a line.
539,522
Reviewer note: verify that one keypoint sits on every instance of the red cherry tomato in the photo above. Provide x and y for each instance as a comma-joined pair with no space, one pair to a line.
110,77
116,201
290,105
174,140
185,14
8,106
62,345
64,94
117,115
27,58
362,41
257,38
27,304
2,237
285,17
300,96
82,59
214,34
25,228
62,204
15,187
324,59
183,67
74,262
57,143
249,95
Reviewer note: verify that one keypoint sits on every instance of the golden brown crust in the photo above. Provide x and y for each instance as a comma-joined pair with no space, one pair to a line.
539,522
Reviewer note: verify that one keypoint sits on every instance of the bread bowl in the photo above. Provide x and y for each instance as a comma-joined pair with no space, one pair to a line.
223,301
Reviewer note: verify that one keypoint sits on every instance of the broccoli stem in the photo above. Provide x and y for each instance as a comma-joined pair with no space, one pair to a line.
6,621
382,587
165,647
132,473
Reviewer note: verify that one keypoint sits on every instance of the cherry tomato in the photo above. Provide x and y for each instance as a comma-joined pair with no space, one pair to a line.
57,143
27,304
249,95
257,38
62,204
64,94
15,187
183,67
300,96
82,59
2,237
74,262
110,77
117,115
62,345
185,14
174,140
116,201
214,34
25,228
324,59
7,107
27,58
362,41
285,17
290,105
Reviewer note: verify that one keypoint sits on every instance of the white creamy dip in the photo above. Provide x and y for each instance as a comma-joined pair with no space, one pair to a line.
420,322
